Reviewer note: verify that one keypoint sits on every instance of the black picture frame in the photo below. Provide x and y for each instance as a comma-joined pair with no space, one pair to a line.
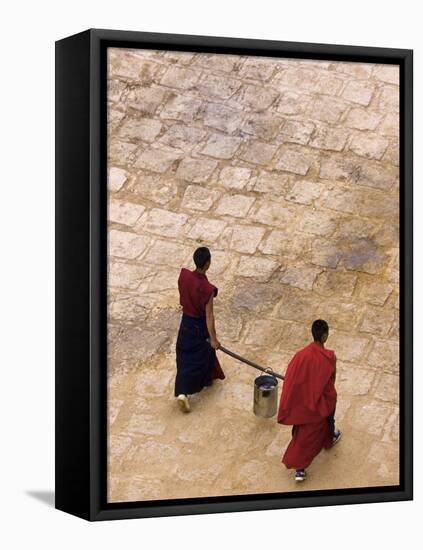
81,263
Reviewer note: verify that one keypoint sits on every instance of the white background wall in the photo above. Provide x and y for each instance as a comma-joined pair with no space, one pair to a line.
28,32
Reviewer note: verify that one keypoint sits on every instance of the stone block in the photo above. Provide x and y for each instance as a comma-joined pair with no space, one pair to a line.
263,332
362,119
140,129
154,187
257,68
181,107
293,160
377,320
127,245
257,268
235,205
167,253
329,138
347,347
326,109
183,136
116,178
372,417
258,152
274,214
274,183
128,276
262,125
387,73
221,147
218,86
162,222
296,131
146,100
385,355
318,222
353,380
282,243
197,197
221,117
234,177
125,213
245,238
158,160
300,276
371,147
206,230
180,77
387,388
305,192
339,283
389,99
358,91
196,170
257,98
375,292
292,103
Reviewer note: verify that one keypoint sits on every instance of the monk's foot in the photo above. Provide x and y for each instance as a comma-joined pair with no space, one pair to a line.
336,437
183,403
300,475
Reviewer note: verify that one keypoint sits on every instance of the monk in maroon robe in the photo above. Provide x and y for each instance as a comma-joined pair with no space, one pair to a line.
196,361
308,402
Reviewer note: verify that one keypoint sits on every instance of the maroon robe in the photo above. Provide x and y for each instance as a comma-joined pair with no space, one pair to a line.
308,399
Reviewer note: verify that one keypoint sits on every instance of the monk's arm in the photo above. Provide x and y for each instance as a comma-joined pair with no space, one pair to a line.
210,324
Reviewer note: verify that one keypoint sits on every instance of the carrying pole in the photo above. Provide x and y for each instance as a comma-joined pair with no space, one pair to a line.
268,371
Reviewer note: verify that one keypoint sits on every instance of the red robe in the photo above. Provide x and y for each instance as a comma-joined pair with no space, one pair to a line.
308,398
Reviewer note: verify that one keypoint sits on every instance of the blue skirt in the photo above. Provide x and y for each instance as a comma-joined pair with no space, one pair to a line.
196,361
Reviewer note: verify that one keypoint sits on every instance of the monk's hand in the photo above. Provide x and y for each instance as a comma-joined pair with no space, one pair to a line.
214,342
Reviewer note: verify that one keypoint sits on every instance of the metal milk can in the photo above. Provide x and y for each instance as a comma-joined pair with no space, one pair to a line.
265,396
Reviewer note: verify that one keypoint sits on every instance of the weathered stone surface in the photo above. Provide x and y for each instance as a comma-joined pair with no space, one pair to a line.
282,243
362,119
326,109
318,222
266,332
329,138
196,170
181,107
158,160
245,238
293,336
132,66
375,292
328,84
255,296
341,283
293,160
123,244
262,125
218,87
387,73
183,136
257,98
292,103
145,424
157,188
258,152
162,222
115,89
180,77
234,177
128,309
144,129
358,91
387,388
128,276
389,99
295,304
221,62
146,100
347,347
220,146
372,417
167,253
257,268
326,254
295,131
357,70
257,69
120,152
377,321
116,178
235,205
273,213
273,183
305,192
221,117
353,381
300,276
365,202
125,213
369,146
297,78
385,355
390,125
206,230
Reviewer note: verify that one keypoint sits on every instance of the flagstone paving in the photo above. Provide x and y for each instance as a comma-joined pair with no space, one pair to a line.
288,171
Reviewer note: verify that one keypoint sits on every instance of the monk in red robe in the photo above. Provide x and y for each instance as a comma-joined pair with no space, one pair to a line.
308,402
196,361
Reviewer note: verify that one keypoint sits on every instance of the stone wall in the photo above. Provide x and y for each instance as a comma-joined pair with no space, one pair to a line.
288,171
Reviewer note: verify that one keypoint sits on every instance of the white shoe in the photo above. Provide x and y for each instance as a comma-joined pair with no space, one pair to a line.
183,403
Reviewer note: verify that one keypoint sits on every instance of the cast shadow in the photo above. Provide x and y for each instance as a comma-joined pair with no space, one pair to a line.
46,497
